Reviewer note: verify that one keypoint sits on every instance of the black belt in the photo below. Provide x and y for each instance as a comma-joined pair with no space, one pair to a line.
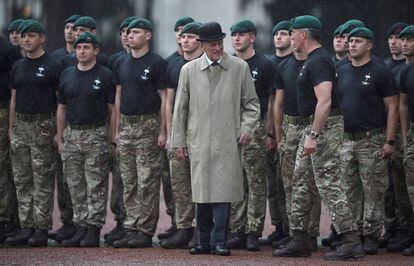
296,120
33,117
137,118
363,134
86,126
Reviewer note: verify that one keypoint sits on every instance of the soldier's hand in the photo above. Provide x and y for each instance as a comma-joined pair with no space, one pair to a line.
279,146
310,146
162,139
244,139
181,153
60,146
387,150
270,144
167,144
55,140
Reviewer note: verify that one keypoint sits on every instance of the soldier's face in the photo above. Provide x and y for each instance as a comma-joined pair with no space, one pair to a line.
32,41
69,33
85,52
177,35
189,42
345,41
359,47
124,37
80,29
297,39
14,37
138,38
338,44
242,40
281,40
214,50
407,46
394,43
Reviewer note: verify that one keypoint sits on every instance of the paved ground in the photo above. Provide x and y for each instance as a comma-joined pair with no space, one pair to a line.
55,255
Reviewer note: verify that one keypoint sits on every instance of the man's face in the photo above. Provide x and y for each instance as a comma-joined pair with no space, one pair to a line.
214,50
14,37
394,44
177,35
407,46
297,40
189,42
124,37
345,41
281,40
32,41
69,33
85,52
242,40
338,44
359,47
138,38
80,29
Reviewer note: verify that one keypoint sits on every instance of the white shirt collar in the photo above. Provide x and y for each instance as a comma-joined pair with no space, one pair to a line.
211,62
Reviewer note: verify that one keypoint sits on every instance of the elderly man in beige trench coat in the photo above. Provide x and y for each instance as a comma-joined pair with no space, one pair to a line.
215,114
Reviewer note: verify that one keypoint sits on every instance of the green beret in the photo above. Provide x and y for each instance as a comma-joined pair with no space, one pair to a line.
191,28
86,22
348,26
182,22
72,19
19,29
14,25
126,22
140,23
86,37
31,26
361,32
243,26
337,31
407,31
306,22
282,25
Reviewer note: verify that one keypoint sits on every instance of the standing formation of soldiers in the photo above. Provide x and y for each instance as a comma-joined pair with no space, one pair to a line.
336,129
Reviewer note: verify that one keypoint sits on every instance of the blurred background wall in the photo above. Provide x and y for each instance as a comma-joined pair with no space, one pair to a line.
377,15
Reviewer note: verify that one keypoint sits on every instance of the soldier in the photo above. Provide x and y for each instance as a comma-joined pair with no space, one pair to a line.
344,31
34,82
86,95
140,102
275,190
338,43
247,216
317,156
407,116
180,169
14,34
9,219
399,217
179,24
70,37
369,102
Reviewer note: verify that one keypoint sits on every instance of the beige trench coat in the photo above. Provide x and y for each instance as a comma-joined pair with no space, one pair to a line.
210,114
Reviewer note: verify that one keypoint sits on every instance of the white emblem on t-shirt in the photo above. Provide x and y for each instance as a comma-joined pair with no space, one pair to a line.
40,70
254,74
301,71
367,78
97,84
146,73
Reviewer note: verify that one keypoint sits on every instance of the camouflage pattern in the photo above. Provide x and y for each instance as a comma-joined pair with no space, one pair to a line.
167,186
139,158
33,168
181,188
409,163
364,179
117,199
291,136
85,157
326,176
248,215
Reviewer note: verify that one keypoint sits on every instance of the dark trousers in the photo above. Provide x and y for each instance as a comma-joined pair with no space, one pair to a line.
212,223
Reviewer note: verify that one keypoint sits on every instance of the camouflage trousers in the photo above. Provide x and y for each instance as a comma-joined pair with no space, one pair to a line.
63,194
398,211
364,179
139,158
8,197
33,168
166,181
276,192
248,215
324,165
291,136
181,188
409,163
117,199
86,155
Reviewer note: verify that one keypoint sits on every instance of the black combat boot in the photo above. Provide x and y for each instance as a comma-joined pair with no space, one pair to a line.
297,246
277,235
386,237
76,238
326,242
142,241
2,233
12,228
409,251
169,232
116,235
66,231
401,241
20,238
351,248
313,244
179,240
194,240
115,231
371,245
252,242
279,243
236,241
91,238
123,242
38,239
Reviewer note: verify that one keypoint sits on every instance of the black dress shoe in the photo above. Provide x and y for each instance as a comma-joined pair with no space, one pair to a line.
221,251
200,250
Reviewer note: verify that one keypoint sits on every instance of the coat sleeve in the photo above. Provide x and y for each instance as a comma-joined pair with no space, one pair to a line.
250,107
180,116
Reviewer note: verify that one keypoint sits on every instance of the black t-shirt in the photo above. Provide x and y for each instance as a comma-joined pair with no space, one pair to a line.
140,78
276,60
395,67
8,55
59,54
407,87
70,60
86,94
173,72
172,57
362,90
288,71
112,59
36,82
317,68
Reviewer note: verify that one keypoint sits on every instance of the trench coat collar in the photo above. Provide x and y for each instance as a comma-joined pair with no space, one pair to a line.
223,64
